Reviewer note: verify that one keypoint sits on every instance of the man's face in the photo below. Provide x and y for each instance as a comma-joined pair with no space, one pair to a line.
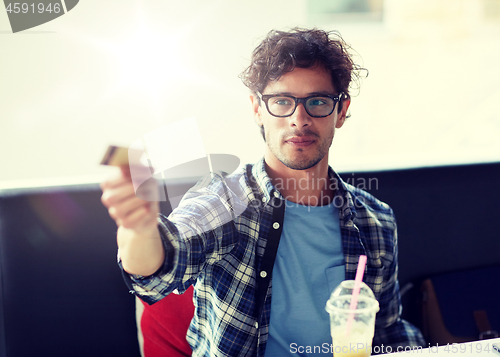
299,141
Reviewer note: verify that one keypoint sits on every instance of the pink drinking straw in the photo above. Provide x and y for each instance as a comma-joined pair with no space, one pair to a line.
355,292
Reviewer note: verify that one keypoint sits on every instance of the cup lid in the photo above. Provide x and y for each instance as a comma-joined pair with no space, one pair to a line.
347,286
344,290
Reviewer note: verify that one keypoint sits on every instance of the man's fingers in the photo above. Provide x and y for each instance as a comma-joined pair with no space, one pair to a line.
141,216
128,208
123,209
125,170
115,196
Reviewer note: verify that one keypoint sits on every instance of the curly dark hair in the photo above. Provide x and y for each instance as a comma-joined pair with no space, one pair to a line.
280,52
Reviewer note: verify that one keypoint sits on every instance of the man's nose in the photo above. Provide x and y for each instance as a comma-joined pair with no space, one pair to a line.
300,118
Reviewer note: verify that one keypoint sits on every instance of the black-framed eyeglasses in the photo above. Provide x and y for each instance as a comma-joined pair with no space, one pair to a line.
317,106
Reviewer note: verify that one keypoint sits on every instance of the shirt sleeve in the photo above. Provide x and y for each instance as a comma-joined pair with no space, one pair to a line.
390,329
197,233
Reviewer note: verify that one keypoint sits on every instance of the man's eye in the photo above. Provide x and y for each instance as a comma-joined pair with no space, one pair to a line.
317,102
282,101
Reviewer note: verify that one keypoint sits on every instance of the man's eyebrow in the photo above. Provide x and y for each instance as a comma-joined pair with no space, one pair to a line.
321,93
281,93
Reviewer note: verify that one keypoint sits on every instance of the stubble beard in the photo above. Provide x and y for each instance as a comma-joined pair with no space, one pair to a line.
302,161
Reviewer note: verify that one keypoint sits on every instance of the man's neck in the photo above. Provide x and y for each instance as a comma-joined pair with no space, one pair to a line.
310,187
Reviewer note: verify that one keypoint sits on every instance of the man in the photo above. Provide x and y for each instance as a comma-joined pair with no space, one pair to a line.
265,247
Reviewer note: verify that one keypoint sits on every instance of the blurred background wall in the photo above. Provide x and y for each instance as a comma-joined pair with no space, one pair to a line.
108,72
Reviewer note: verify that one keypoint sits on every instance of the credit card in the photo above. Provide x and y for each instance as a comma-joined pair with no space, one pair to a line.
115,156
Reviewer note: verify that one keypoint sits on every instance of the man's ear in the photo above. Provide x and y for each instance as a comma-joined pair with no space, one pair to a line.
256,109
343,113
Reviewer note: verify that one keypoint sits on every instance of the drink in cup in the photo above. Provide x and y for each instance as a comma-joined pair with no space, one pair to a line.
352,327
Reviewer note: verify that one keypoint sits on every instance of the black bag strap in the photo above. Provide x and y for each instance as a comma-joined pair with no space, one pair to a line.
266,267
264,273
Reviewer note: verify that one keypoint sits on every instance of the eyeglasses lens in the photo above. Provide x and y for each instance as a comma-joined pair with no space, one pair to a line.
315,106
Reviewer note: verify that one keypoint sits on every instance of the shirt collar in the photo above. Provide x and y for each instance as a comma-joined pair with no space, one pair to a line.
345,202
264,182
343,194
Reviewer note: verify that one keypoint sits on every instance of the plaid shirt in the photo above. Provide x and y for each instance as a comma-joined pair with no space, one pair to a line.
216,239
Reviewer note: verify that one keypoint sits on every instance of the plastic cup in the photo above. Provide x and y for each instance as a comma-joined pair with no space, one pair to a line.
358,342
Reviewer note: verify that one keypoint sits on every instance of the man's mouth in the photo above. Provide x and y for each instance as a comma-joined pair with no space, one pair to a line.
300,141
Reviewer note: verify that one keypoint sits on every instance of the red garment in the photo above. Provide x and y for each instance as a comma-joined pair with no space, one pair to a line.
164,325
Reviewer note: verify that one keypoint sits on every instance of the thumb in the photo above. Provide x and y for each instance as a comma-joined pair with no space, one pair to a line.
125,170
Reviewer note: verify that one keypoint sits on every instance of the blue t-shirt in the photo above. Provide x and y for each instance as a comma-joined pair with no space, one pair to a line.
308,266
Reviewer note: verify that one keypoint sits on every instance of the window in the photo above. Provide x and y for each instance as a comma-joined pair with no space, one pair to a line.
327,11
